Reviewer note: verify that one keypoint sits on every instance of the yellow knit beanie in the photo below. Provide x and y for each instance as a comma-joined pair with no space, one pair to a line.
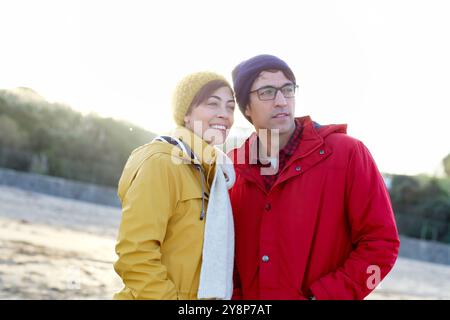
186,90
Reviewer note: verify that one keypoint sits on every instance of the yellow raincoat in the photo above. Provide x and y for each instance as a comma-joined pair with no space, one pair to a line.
160,240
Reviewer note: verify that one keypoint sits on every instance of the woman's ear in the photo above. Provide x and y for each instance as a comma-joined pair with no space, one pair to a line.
187,119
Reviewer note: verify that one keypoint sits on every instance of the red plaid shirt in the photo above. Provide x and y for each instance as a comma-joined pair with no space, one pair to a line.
284,155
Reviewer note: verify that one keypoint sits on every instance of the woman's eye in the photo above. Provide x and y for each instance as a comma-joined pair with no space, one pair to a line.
212,104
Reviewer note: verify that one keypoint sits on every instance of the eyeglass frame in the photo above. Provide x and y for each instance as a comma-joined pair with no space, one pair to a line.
276,92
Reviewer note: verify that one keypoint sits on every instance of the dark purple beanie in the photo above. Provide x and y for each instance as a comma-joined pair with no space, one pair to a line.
245,73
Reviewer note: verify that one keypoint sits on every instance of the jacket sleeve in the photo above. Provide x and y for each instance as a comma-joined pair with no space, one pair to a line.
373,231
145,214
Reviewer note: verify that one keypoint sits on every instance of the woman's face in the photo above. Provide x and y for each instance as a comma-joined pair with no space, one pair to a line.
213,118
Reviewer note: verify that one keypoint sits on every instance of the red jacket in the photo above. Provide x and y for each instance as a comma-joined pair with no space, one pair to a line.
326,227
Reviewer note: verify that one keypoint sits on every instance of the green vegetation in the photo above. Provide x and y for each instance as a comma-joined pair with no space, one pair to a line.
41,137
422,206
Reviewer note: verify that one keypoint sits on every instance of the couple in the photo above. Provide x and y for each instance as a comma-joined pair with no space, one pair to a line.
300,211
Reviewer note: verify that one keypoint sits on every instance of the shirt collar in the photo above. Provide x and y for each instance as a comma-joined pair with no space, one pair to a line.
288,149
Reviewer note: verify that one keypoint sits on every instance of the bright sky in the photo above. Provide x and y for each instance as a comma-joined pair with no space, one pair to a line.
381,66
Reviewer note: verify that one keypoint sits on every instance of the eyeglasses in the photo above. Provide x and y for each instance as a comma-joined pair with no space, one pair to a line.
269,93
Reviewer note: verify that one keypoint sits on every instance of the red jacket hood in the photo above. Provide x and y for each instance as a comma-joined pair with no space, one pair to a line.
326,130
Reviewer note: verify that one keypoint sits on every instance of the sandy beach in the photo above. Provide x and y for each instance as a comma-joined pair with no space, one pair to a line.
56,248
41,262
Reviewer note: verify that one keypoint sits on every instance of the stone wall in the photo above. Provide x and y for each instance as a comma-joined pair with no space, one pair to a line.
430,251
60,187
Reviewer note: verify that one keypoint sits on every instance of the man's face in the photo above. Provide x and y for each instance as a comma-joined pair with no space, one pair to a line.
271,114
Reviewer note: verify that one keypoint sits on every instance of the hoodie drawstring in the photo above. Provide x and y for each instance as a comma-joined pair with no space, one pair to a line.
202,214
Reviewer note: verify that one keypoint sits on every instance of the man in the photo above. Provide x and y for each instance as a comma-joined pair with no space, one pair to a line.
314,220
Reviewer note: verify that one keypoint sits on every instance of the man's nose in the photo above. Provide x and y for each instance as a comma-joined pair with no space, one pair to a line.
280,100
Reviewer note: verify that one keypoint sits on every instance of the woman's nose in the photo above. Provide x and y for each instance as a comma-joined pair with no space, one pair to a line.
223,113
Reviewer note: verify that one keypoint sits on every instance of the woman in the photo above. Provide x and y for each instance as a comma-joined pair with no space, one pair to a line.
176,238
